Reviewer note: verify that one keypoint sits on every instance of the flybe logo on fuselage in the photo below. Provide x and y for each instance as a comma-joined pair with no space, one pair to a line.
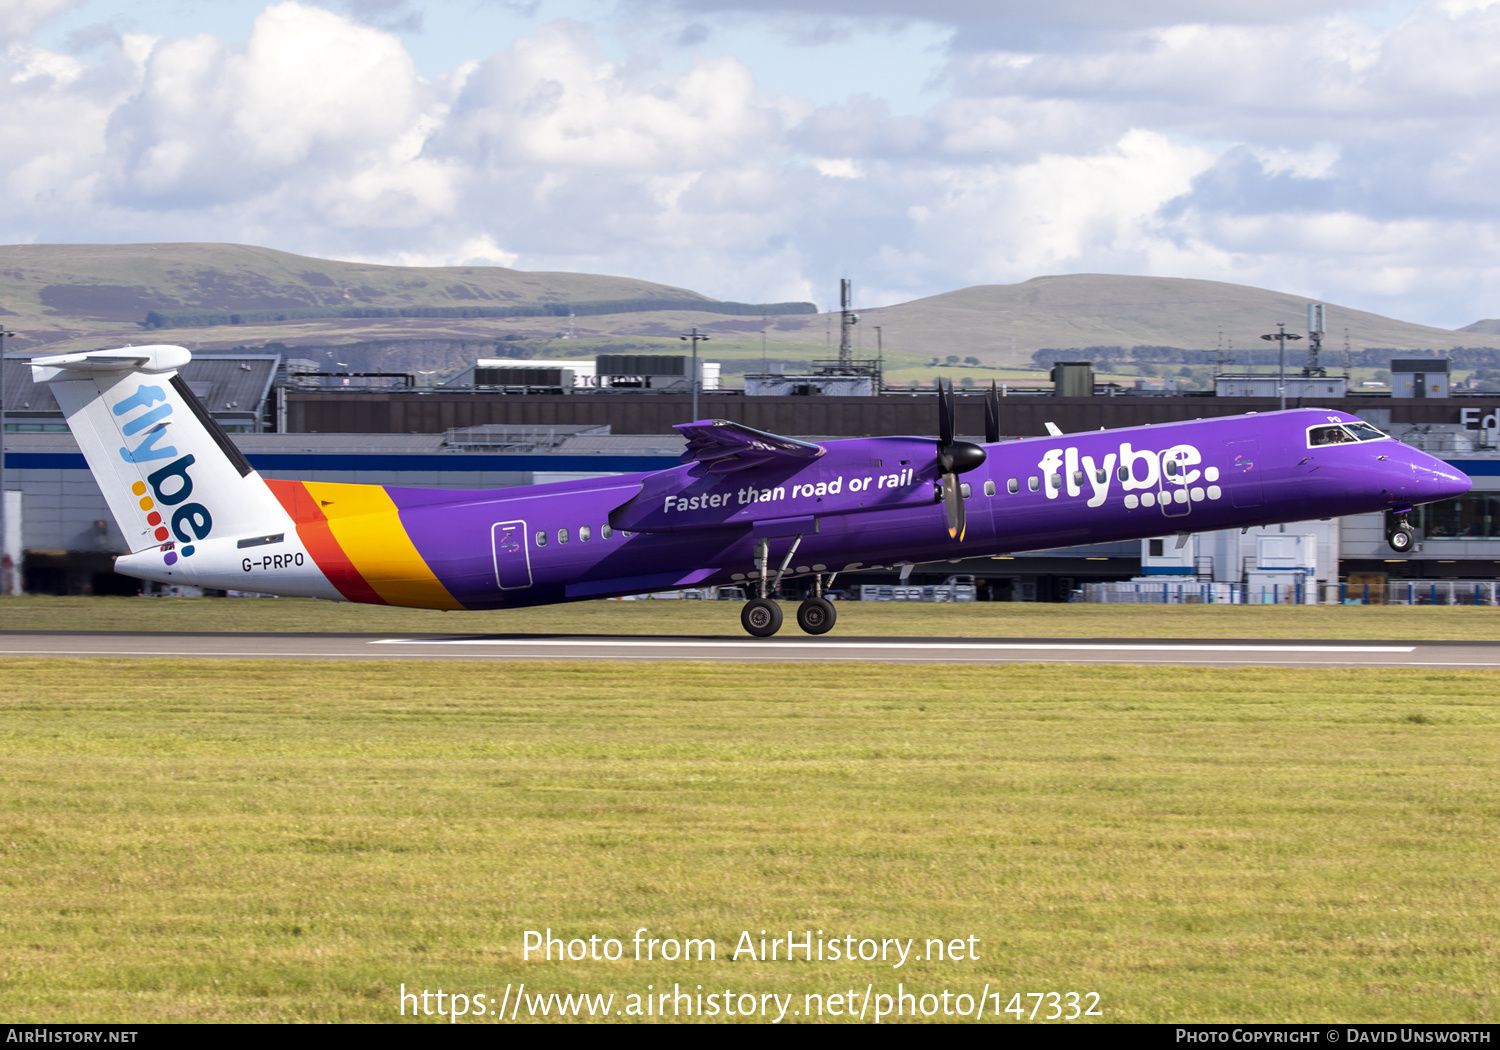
171,484
1145,477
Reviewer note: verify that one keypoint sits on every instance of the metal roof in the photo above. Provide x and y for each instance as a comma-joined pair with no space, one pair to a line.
225,383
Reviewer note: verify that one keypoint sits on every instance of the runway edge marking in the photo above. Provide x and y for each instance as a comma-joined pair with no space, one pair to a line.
751,645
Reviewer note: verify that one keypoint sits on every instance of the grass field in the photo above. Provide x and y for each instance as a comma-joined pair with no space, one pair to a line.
977,620
214,840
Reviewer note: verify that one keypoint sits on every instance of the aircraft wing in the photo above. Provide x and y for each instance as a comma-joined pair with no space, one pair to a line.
718,446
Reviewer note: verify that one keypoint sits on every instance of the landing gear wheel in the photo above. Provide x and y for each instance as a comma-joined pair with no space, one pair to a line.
761,617
817,616
1402,539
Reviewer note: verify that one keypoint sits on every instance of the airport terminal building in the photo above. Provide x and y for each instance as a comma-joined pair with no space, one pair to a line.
62,539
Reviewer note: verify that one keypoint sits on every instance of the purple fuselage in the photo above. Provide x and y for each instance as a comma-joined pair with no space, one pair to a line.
868,502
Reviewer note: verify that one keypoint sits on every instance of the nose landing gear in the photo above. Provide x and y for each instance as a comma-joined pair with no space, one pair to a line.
1403,537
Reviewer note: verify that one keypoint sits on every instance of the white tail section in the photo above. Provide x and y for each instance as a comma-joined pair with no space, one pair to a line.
167,469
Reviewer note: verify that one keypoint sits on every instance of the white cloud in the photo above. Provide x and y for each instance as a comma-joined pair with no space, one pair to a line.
312,97
1023,15
838,168
30,63
1008,223
476,251
20,18
552,100
1315,163
1282,144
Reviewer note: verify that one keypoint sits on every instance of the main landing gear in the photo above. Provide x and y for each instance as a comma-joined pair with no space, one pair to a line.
817,616
762,616
1403,537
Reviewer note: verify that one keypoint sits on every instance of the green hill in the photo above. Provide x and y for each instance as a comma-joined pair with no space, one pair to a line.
122,282
1004,324
217,296
1489,326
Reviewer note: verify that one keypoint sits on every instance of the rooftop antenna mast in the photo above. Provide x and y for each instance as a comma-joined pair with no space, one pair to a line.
765,359
847,320
1222,355
1315,332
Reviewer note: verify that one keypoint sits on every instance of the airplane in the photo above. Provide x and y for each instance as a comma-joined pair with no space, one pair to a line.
744,507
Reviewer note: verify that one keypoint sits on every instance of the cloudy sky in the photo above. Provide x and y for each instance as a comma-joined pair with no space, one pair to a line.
759,150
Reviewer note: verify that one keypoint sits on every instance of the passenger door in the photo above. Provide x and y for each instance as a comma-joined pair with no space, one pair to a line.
1243,478
512,556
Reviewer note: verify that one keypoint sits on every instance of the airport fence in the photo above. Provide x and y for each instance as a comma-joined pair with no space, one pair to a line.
941,592
1416,592
1172,592
1381,592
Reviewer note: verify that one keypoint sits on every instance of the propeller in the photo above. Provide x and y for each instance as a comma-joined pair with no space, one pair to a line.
953,458
992,414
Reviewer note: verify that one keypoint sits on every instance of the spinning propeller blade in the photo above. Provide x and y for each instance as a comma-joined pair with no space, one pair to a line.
992,414
953,458
953,507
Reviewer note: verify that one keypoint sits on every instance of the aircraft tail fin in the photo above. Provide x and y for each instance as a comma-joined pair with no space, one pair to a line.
169,473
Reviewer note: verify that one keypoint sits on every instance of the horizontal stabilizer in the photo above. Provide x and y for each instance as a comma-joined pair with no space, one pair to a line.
149,359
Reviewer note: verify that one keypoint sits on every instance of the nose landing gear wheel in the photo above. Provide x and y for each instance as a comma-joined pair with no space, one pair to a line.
761,617
816,616
1402,539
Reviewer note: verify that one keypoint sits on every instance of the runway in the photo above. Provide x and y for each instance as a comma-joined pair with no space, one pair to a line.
794,648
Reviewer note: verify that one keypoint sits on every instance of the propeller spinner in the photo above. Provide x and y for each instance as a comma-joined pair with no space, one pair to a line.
953,458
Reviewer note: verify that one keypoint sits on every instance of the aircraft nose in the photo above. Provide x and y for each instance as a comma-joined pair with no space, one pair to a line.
1433,480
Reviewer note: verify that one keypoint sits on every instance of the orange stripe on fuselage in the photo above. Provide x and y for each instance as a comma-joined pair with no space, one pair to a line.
318,538
363,522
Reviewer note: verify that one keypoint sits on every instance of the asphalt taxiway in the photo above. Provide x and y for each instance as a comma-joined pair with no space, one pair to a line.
1206,652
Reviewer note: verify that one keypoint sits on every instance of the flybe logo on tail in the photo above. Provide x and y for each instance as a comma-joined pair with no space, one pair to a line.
149,447
168,512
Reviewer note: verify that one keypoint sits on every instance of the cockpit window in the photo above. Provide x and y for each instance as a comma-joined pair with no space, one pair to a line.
1363,431
1342,434
1334,435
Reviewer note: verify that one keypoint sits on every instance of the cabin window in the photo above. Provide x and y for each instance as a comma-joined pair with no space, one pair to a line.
541,538
1330,436
562,535
1013,486
1034,483
1123,473
1100,475
989,488
605,532
1078,477
1055,481
964,490
584,535
1170,466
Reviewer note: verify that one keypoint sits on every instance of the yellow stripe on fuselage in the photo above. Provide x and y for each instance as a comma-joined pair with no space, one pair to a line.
367,525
